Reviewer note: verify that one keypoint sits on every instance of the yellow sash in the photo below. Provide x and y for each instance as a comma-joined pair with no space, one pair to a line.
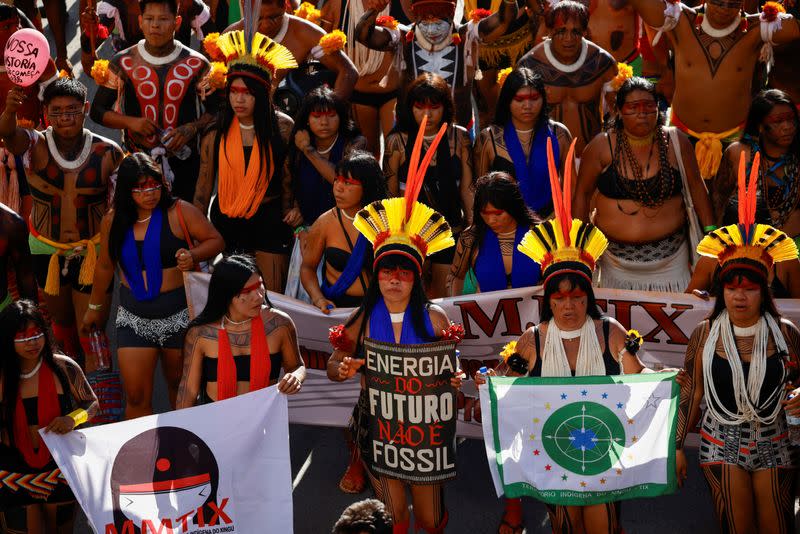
86,275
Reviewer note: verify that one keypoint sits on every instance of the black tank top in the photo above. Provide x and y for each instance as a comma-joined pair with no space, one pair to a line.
611,364
170,244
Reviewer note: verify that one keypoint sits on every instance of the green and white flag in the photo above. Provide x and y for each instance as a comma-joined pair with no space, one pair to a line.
581,440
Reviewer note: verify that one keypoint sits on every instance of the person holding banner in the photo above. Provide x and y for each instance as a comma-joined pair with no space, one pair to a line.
40,389
396,315
359,182
448,186
743,360
239,342
152,315
487,258
646,179
516,141
574,337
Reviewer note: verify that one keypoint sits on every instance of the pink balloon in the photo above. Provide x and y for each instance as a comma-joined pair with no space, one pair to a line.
26,56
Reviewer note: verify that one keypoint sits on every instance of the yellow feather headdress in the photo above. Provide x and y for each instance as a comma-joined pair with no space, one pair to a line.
748,245
403,225
563,243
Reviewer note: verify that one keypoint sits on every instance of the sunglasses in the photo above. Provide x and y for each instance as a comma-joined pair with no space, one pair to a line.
639,107
403,275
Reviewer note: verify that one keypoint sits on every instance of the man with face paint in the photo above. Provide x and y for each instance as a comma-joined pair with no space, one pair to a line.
574,70
300,37
70,180
15,255
437,44
716,49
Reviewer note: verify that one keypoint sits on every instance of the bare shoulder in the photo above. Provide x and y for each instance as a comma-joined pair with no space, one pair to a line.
285,125
615,328
304,29
735,151
203,331
275,319
790,328
562,132
439,318
66,363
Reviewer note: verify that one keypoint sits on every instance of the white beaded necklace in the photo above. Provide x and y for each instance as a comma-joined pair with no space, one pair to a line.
35,370
330,147
397,317
716,33
746,395
346,216
561,66
69,165
246,126
554,356
226,318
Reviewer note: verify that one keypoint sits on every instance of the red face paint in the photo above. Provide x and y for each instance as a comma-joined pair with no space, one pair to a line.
346,180
422,106
240,90
255,286
319,114
533,97
781,118
147,186
404,275
637,107
575,294
29,334
743,283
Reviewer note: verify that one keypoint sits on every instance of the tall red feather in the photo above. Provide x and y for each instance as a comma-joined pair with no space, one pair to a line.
419,176
555,188
568,168
413,162
752,188
742,187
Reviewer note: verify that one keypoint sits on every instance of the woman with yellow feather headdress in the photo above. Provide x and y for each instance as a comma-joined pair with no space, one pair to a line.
245,153
395,310
574,337
741,360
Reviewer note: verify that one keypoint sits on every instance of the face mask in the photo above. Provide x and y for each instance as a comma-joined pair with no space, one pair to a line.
435,31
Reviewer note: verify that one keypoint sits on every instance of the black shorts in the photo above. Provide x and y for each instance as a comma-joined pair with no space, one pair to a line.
263,232
41,264
374,100
157,323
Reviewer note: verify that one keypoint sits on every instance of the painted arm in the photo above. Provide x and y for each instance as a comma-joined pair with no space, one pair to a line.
591,167
484,152
79,387
724,184
466,186
206,176
692,391
461,263
393,157
192,367
292,381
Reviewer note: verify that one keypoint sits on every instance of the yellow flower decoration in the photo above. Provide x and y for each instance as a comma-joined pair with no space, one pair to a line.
217,76
502,75
333,42
100,71
508,350
309,12
211,48
624,71
63,74
26,123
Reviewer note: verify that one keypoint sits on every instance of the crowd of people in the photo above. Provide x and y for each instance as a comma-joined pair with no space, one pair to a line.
376,155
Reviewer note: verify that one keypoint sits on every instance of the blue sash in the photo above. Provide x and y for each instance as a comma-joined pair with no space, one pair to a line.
351,271
489,268
133,266
380,326
532,174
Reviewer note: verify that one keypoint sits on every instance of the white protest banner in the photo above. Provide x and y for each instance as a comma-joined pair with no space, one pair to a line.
582,440
221,467
665,320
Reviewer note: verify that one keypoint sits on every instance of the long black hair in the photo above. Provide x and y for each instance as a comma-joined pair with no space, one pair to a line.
762,105
501,191
265,119
133,168
575,281
363,166
417,306
430,88
14,319
321,99
228,279
517,79
735,275
630,85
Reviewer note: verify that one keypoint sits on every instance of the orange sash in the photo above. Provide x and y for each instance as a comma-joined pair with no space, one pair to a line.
241,192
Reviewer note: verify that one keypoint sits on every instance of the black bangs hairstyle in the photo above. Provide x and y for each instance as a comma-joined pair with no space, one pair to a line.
427,88
265,119
735,275
228,279
762,105
575,281
363,166
630,85
417,306
171,4
567,10
501,191
321,99
133,169
14,319
64,87
517,79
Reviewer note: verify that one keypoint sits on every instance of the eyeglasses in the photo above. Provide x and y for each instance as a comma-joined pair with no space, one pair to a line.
346,180
563,33
403,275
68,113
639,107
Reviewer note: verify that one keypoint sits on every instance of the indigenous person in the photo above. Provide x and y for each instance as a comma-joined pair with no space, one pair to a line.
448,182
16,262
396,310
71,176
516,141
244,155
143,235
347,254
741,361
637,175
437,44
716,48
375,92
574,70
159,109
41,389
239,342
487,253
323,136
300,37
368,516
574,337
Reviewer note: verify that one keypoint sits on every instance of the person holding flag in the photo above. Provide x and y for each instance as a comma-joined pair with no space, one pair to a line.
742,360
574,337
395,310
